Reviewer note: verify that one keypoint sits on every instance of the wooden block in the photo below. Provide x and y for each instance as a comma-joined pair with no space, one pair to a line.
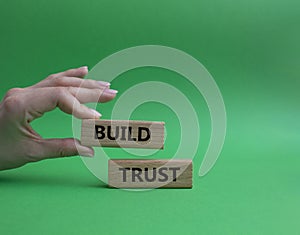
150,173
122,133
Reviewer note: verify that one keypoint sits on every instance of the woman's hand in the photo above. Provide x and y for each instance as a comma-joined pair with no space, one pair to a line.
19,143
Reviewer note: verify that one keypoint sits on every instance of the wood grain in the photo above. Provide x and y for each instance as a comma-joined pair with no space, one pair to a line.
128,173
122,133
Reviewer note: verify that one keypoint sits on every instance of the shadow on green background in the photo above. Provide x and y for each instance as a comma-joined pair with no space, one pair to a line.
252,50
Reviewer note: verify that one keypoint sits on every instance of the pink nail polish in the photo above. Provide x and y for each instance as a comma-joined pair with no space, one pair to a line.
96,113
107,84
111,91
86,67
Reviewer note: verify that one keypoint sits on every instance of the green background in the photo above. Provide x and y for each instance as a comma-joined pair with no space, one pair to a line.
252,50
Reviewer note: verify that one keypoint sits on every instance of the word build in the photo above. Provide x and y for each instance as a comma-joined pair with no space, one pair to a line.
102,133
150,173
122,133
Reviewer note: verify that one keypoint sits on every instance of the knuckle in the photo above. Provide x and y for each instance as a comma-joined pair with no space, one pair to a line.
33,153
60,91
13,91
52,76
62,150
55,79
70,89
12,103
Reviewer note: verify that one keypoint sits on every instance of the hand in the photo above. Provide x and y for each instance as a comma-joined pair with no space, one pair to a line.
19,143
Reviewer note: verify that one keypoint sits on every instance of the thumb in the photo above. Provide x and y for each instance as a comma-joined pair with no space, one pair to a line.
55,148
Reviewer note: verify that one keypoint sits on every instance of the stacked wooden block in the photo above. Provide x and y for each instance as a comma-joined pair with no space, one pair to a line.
129,173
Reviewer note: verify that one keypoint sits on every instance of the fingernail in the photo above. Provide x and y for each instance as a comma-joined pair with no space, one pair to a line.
84,150
111,91
96,113
85,67
107,84
87,154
